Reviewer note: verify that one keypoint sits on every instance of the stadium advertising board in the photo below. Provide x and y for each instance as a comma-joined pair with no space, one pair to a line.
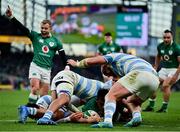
132,26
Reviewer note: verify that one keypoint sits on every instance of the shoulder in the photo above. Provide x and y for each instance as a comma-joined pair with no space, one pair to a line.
35,33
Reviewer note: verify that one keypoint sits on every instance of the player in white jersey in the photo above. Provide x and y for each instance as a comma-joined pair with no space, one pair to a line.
37,110
138,80
61,115
65,84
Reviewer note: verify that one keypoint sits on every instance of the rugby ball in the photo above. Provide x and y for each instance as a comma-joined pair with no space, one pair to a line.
89,113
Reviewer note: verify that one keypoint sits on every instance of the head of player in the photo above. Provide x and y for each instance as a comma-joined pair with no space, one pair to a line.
46,28
167,37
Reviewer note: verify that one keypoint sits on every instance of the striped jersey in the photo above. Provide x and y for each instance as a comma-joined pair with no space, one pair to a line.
122,63
84,88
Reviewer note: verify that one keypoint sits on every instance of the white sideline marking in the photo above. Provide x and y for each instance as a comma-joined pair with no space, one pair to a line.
15,121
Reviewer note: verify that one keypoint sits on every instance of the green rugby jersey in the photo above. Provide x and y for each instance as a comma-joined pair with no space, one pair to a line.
44,49
169,54
106,48
91,105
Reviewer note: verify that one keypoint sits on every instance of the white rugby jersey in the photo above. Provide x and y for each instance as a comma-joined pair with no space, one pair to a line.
124,63
84,88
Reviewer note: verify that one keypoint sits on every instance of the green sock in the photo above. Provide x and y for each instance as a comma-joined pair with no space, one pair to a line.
33,98
151,103
164,105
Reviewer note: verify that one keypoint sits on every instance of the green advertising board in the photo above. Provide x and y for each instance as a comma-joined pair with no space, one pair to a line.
132,26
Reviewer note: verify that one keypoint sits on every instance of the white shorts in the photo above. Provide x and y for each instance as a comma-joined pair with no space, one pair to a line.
141,83
42,74
63,82
167,72
44,101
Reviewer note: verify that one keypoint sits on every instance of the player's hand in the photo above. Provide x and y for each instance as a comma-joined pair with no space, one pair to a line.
94,118
8,12
173,80
76,116
72,62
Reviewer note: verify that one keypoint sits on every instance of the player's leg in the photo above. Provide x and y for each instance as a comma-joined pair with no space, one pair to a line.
162,76
166,89
44,88
134,104
116,92
64,92
144,85
45,81
34,95
35,77
150,106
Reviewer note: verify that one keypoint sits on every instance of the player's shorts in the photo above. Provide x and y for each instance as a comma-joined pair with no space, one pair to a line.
42,74
141,83
63,83
44,101
167,72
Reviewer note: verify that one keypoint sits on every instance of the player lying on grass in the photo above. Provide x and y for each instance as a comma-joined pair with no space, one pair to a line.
138,81
36,111
66,83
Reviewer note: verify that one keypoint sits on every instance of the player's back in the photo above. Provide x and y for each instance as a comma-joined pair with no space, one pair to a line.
86,88
124,63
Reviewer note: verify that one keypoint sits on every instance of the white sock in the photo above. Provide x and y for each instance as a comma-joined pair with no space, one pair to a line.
48,114
32,111
136,114
109,109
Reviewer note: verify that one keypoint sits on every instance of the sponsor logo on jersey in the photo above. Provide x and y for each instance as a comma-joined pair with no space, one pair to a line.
162,51
51,44
41,40
45,49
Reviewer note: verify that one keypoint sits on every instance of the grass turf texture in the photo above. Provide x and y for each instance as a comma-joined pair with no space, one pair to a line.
152,121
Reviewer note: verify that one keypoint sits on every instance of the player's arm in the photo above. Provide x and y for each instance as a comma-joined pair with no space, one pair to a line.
98,60
157,58
16,23
175,76
90,119
63,57
157,61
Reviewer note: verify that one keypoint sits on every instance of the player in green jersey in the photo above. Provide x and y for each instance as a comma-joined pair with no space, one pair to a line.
169,56
45,46
108,46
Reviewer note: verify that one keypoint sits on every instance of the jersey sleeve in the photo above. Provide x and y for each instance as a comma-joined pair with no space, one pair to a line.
32,35
108,58
99,49
177,50
59,44
158,50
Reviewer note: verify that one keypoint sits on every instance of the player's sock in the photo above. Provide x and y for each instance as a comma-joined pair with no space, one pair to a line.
136,114
151,103
109,109
33,98
48,114
164,105
32,111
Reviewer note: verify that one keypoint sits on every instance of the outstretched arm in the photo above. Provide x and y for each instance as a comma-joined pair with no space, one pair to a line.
98,60
64,59
16,23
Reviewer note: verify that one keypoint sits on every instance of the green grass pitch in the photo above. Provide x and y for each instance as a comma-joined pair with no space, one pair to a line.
152,121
